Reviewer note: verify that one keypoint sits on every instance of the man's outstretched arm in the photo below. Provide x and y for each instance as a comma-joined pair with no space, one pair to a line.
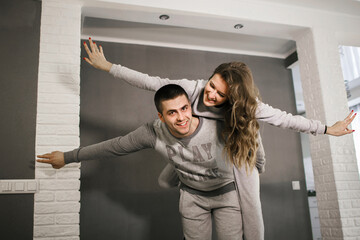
142,138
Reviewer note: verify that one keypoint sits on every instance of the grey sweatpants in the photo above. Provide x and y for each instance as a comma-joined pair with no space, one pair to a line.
248,189
198,211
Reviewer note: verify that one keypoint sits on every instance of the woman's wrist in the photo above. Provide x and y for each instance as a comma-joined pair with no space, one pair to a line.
107,66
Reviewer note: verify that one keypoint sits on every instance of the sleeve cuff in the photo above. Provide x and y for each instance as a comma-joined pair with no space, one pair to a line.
113,69
71,156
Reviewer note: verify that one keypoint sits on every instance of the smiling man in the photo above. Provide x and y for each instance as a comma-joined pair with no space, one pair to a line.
193,146
176,114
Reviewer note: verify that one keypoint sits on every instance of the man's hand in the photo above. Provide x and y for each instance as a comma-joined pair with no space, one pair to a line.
96,56
56,159
340,128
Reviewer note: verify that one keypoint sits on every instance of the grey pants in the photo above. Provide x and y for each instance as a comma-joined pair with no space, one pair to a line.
198,211
248,189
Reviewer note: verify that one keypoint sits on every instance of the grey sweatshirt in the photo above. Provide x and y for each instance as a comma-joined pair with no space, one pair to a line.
198,159
195,89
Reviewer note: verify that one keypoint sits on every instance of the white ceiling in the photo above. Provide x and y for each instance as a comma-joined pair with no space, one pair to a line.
188,38
351,7
140,25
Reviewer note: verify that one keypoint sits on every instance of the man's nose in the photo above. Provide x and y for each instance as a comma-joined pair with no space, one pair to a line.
181,116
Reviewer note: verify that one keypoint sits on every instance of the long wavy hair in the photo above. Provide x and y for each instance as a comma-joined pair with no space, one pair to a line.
241,127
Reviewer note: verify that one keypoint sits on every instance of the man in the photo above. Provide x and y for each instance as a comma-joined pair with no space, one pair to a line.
194,147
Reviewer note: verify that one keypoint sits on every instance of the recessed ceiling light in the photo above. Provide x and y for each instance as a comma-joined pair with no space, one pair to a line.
238,26
164,17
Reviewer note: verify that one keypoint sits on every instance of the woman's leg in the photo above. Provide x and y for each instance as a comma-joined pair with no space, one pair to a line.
248,188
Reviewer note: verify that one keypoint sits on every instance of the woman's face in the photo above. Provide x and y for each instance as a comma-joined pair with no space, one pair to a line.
215,92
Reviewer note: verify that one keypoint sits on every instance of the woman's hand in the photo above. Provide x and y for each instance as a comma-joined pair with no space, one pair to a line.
56,159
340,128
96,56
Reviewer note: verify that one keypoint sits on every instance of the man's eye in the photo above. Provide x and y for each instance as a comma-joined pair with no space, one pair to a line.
171,113
184,108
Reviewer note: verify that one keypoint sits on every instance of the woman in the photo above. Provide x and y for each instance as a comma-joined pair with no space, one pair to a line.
230,94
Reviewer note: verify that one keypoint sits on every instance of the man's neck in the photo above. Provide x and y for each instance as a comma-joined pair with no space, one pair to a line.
194,125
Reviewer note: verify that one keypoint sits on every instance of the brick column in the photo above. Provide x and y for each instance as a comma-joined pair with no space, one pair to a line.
336,174
56,210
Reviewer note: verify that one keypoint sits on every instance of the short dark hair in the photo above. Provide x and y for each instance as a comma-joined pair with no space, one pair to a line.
168,92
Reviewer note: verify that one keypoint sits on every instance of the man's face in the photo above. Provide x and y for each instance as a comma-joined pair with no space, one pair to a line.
177,115
215,91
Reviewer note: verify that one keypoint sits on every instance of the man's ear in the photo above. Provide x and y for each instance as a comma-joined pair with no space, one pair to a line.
161,117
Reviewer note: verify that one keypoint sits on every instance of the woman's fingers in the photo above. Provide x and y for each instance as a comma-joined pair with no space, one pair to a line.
96,49
89,53
91,44
88,61
350,117
101,50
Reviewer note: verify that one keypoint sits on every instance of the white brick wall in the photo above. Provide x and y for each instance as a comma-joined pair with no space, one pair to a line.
336,178
57,204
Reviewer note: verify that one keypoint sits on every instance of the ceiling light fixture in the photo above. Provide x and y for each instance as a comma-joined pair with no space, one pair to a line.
238,26
164,17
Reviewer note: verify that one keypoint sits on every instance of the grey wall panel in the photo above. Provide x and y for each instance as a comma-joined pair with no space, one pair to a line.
121,198
16,221
19,47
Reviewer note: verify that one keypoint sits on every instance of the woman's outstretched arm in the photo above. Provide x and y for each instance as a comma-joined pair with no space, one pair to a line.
299,123
97,59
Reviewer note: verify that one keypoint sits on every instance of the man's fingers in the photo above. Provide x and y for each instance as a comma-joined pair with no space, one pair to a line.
43,160
46,155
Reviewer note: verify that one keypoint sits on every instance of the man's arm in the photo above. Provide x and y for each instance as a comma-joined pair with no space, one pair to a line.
142,138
